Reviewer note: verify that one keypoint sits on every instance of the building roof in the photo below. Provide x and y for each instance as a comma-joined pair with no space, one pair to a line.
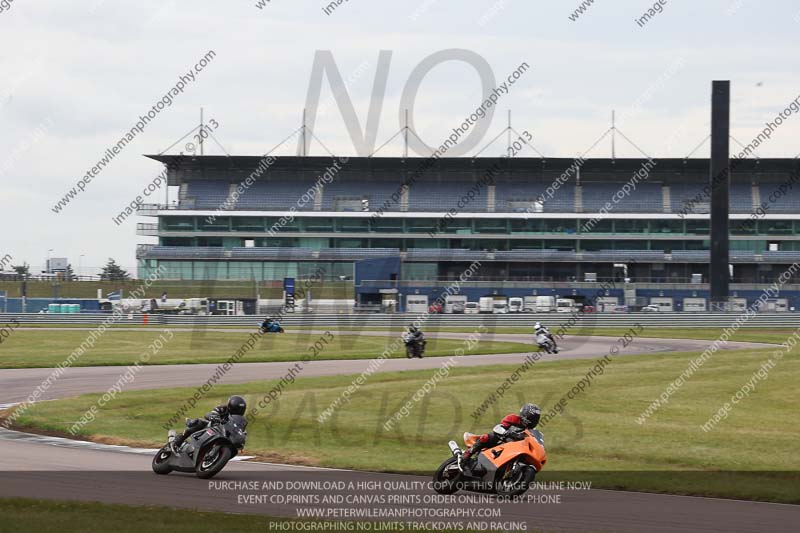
184,168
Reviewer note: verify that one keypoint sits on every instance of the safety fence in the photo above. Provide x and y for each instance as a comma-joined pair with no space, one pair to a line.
359,321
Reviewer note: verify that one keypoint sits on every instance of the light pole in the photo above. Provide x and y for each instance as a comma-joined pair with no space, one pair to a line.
80,262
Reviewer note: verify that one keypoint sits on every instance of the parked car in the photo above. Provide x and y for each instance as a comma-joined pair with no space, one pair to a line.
650,309
458,307
436,309
471,308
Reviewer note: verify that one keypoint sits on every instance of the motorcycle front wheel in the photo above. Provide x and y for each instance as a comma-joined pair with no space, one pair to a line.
518,482
213,461
160,465
446,479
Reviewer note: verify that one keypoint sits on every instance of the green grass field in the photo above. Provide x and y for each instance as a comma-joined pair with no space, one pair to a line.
751,455
767,335
23,515
45,348
78,517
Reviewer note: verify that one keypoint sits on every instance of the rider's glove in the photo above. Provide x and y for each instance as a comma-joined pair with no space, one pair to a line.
514,435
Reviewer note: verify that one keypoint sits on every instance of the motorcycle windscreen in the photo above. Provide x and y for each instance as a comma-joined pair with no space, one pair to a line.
238,421
235,429
470,439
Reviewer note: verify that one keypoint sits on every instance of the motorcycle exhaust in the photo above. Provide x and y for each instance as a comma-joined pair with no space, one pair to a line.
454,448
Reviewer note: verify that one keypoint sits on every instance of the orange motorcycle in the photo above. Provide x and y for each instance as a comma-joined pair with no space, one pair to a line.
508,469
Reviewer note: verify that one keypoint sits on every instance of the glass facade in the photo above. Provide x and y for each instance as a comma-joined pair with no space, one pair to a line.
243,270
563,234
477,226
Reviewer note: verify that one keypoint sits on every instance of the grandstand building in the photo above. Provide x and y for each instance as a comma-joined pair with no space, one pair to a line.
537,226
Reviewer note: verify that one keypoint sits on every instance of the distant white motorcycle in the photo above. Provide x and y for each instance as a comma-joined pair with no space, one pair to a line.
546,342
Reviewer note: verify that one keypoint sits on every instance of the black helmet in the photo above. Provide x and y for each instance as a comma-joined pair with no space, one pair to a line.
237,405
530,414
412,329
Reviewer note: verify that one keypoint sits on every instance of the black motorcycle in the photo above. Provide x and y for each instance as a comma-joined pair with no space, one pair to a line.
272,327
415,346
205,452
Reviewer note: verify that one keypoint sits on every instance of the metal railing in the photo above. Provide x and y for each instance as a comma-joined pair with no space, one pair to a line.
146,229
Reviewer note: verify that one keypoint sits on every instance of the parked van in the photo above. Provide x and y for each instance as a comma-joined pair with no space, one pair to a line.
515,305
545,304
471,308
486,304
529,304
565,305
454,303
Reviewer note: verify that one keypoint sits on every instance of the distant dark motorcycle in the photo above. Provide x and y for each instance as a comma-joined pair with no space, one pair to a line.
415,346
206,452
274,327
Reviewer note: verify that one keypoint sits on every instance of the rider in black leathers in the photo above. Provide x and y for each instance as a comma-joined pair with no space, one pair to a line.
236,406
415,336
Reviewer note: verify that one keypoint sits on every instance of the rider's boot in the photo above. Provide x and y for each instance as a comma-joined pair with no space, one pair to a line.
176,443
470,464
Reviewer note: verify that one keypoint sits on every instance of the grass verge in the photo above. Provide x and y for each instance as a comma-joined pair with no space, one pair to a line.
768,335
36,349
22,514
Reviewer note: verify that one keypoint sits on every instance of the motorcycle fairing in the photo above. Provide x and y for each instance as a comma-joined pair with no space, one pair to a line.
529,448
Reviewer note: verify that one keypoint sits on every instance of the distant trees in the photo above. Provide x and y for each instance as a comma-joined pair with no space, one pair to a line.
69,274
113,272
22,270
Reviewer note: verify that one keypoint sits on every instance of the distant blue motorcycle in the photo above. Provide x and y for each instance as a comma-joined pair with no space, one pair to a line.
271,327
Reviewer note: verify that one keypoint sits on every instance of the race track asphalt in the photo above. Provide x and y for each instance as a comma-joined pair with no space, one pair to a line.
17,384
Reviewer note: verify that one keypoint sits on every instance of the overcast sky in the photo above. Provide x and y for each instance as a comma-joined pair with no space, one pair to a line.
75,76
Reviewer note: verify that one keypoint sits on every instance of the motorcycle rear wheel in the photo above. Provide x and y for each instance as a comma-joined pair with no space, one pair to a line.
206,470
160,465
442,482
